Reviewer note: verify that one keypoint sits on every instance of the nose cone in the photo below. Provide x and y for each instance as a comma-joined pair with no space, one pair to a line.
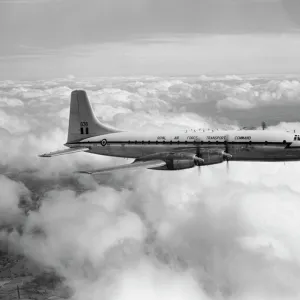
296,141
295,144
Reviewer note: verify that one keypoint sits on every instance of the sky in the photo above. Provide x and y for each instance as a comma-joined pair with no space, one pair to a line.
55,38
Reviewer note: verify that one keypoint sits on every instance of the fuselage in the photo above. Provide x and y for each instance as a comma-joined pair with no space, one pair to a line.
244,145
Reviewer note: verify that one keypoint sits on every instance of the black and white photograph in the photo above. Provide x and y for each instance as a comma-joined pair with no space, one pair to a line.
150,149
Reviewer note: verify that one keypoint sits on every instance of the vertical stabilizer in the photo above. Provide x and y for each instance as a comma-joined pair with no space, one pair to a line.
82,121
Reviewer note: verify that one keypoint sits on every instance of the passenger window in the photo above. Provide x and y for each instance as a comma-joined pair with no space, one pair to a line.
149,142
284,141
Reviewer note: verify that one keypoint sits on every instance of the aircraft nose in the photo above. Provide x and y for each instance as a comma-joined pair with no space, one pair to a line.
295,144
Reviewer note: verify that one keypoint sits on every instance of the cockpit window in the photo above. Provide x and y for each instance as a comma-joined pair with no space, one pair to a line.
297,138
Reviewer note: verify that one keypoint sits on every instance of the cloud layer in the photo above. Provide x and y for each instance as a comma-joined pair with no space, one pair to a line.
145,233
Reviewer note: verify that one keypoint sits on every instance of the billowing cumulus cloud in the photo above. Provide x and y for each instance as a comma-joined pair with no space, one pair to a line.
12,102
249,95
11,194
144,233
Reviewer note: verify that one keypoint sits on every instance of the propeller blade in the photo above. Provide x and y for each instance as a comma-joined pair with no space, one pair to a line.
227,155
199,159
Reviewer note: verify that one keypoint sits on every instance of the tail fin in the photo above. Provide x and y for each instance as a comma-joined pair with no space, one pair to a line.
82,121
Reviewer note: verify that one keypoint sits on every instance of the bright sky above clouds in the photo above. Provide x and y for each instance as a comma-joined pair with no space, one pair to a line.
46,39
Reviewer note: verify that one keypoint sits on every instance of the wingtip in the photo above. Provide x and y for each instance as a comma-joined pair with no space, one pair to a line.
44,155
83,172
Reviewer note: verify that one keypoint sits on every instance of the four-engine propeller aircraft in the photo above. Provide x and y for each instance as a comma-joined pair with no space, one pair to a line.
171,150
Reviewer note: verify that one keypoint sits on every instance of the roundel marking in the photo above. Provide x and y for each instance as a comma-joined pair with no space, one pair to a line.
104,142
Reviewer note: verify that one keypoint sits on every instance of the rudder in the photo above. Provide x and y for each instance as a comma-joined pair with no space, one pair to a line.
82,120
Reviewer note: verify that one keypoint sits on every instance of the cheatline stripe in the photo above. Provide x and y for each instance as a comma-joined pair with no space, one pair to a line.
181,142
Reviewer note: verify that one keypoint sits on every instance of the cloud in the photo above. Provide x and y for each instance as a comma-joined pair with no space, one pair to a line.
147,233
261,94
11,194
235,103
114,244
10,102
13,123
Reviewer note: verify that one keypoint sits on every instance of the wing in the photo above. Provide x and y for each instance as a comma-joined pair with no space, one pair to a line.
135,164
65,151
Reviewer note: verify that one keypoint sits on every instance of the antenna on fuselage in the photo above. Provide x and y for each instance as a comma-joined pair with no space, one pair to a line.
263,125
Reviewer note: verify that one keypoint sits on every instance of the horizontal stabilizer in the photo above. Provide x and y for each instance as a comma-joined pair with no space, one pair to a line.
65,151
135,164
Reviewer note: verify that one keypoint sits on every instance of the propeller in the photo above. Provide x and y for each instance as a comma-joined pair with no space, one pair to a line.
227,155
198,159
199,171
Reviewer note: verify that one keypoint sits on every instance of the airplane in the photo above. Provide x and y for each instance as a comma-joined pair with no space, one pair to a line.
171,150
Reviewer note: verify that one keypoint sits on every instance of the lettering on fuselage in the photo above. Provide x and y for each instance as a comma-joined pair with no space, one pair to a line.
176,138
192,137
217,137
242,138
161,137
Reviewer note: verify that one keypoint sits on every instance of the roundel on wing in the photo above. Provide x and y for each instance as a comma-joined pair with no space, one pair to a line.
104,142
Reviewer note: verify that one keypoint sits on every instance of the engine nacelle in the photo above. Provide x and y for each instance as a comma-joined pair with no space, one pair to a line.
177,164
212,159
180,164
180,161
